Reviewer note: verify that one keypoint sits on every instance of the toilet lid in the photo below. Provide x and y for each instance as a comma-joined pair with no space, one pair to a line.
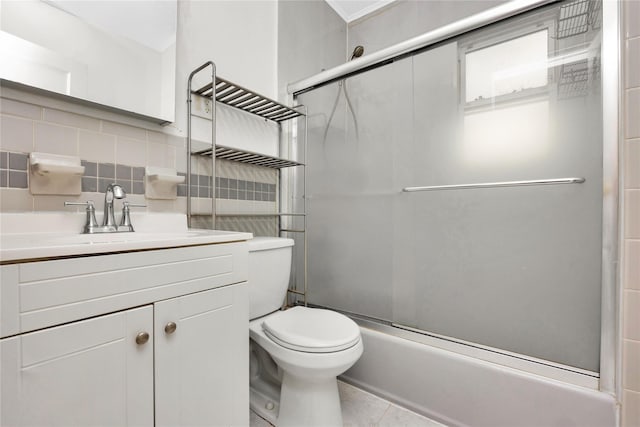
312,330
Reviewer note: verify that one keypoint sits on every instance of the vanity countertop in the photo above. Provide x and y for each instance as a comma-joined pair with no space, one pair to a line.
31,236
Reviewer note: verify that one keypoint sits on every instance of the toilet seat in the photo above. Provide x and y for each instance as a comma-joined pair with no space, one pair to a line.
311,330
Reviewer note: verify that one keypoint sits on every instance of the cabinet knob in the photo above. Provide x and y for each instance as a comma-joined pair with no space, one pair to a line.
170,328
142,338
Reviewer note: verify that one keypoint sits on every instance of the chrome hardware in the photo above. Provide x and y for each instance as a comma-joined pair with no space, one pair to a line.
113,191
142,338
125,221
170,328
91,223
497,184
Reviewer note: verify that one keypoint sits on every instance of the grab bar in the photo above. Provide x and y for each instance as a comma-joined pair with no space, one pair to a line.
497,184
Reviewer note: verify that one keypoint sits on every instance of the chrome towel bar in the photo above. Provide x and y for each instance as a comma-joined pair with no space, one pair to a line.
497,184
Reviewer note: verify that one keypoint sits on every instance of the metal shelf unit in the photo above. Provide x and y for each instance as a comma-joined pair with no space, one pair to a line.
244,99
236,155
236,96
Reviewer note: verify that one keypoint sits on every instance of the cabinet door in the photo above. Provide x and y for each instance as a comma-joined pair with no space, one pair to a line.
202,367
86,373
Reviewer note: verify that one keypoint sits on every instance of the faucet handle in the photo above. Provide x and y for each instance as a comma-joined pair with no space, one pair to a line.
125,221
90,223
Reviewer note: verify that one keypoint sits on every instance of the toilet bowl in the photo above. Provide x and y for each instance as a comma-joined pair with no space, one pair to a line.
296,354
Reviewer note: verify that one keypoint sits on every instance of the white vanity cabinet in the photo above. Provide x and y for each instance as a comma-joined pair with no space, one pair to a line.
141,338
202,368
85,373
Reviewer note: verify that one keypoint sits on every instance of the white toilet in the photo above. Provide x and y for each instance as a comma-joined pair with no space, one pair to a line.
296,354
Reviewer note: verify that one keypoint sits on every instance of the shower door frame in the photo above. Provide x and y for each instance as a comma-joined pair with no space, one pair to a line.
609,376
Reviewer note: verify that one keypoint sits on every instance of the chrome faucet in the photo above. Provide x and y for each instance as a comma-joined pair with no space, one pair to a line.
113,191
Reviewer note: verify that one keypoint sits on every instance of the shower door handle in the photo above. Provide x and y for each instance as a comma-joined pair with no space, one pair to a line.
496,184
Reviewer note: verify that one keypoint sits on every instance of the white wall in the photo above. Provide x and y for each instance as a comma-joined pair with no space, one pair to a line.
241,38
311,38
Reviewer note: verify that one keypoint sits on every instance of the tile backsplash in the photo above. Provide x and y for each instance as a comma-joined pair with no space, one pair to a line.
110,150
115,148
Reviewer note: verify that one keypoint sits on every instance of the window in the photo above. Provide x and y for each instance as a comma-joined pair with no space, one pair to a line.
510,67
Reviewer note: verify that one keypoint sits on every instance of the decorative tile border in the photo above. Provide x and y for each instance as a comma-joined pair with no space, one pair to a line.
238,189
228,188
97,176
13,170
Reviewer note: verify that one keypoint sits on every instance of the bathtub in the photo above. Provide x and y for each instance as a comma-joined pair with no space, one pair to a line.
459,390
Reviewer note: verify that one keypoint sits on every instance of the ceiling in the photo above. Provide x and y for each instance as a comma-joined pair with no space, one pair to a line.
350,10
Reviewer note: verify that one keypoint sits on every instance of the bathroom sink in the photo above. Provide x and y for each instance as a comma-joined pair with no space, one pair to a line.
29,236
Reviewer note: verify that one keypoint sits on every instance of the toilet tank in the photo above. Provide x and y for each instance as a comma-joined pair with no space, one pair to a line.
269,271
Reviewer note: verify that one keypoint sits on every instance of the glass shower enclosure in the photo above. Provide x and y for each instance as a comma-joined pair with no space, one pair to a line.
457,191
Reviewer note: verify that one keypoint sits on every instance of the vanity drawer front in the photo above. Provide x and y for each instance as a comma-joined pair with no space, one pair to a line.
58,291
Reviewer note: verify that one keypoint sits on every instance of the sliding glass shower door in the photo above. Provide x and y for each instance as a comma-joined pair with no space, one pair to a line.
512,259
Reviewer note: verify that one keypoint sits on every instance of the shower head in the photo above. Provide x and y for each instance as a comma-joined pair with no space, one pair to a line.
357,52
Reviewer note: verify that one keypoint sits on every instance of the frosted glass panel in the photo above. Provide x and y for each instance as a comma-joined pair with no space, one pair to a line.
516,269
500,136
351,188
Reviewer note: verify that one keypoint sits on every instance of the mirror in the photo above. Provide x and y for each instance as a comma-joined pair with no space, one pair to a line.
116,53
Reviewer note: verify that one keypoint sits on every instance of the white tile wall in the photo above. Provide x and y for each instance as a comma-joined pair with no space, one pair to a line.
631,409
124,130
70,119
632,19
631,378
96,146
631,244
633,62
16,133
632,123
131,151
21,109
55,139
631,272
632,206
632,162
632,318
27,126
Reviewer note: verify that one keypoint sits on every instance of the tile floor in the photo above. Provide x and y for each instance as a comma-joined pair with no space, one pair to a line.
362,409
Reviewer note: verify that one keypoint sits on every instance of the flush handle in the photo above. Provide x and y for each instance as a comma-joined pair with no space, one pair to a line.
142,338
170,328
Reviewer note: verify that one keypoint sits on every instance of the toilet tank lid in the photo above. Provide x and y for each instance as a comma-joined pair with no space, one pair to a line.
264,243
